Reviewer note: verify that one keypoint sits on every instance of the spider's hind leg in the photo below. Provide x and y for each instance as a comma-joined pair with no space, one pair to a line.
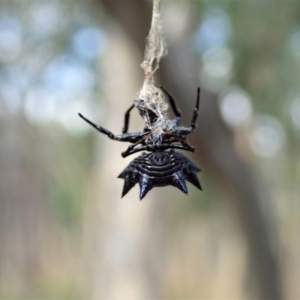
99,128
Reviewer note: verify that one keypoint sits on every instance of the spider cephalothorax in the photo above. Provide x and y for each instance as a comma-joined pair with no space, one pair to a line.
159,167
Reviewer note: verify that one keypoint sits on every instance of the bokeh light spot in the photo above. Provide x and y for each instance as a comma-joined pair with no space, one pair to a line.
46,18
218,62
89,42
40,106
213,31
236,107
10,38
68,76
267,137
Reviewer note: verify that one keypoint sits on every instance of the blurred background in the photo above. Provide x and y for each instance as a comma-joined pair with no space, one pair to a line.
64,231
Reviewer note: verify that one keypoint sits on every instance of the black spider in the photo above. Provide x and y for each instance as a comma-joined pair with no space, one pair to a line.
160,167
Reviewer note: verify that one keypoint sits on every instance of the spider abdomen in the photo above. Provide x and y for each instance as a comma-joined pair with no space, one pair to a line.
157,169
159,165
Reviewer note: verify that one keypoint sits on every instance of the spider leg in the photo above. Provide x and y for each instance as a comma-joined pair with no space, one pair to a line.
176,111
135,150
196,110
126,119
174,136
187,146
161,147
186,130
132,137
179,138
184,146
131,147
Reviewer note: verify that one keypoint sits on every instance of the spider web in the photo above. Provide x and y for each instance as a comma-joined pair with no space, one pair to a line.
151,98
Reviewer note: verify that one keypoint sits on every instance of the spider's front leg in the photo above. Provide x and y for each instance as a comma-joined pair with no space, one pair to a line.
196,110
126,119
132,137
